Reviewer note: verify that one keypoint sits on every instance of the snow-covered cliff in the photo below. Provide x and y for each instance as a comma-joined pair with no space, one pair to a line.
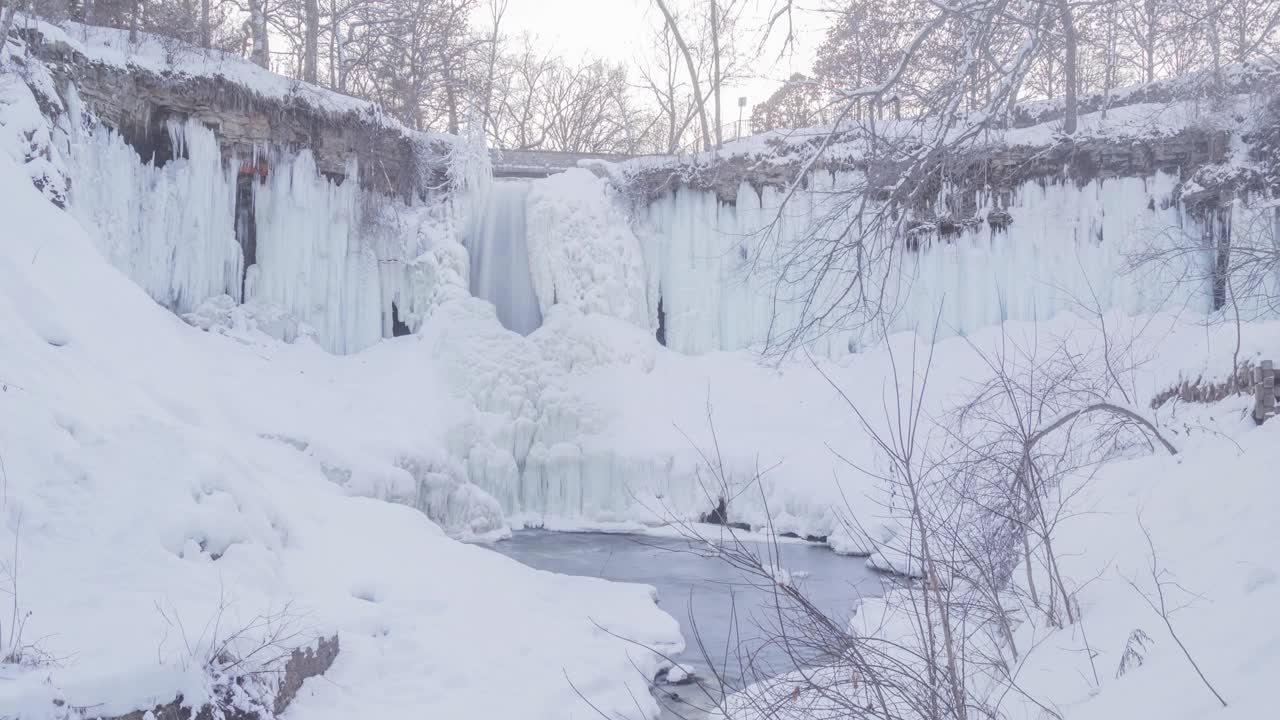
745,246
219,208
213,182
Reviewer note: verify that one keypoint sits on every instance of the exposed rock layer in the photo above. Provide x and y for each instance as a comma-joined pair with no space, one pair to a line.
135,100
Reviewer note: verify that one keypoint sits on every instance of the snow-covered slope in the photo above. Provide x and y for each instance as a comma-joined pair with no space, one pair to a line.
1210,516
1190,536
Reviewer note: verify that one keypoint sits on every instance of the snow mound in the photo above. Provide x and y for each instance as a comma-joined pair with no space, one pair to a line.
222,314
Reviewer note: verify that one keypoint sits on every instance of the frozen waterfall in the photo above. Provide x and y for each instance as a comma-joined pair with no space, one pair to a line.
500,257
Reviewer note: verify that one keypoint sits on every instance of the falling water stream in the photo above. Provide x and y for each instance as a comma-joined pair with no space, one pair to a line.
500,257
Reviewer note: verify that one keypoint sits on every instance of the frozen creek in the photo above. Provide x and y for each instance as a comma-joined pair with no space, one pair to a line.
700,591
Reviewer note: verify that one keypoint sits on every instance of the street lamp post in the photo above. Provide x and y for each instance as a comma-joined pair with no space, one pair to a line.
742,102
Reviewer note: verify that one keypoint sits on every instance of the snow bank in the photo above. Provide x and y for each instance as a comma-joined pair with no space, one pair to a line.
1210,513
1201,523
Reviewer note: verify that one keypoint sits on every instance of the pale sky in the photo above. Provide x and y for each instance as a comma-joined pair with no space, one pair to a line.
618,29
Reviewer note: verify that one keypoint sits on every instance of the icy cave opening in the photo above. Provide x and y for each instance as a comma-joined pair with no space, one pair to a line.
500,257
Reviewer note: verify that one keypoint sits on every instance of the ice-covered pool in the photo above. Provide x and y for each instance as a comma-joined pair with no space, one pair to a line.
702,592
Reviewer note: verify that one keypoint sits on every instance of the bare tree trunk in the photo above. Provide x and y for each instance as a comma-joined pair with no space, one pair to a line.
311,39
450,91
1011,108
1213,17
1149,52
261,54
1110,59
498,9
715,69
206,26
1070,69
336,77
693,72
135,9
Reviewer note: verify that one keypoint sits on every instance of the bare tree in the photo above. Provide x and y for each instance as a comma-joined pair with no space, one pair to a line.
259,34
676,107
1161,582
311,42
1070,61
797,104
497,9
692,68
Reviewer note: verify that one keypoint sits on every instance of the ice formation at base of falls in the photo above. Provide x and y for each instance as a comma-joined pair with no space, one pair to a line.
500,256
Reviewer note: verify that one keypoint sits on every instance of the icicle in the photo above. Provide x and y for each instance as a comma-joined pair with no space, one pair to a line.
171,228
311,260
718,265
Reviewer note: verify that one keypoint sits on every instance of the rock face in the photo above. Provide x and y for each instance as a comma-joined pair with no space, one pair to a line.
303,663
136,101
1199,151
993,168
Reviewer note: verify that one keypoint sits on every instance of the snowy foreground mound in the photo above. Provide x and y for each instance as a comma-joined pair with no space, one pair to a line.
157,499
1195,531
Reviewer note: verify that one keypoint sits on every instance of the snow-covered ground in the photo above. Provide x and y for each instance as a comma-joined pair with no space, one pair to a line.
1210,514
1198,527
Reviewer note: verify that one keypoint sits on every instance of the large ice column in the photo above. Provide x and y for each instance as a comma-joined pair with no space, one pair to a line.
500,257
732,276
170,228
310,257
